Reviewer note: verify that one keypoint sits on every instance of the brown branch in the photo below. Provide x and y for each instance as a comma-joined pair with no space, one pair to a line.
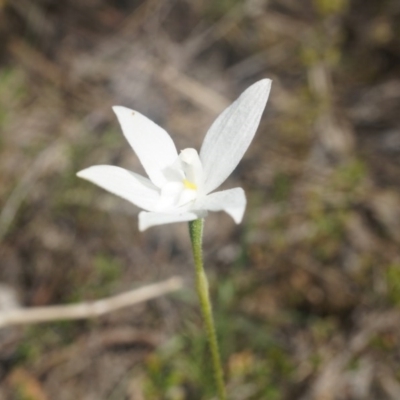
88,309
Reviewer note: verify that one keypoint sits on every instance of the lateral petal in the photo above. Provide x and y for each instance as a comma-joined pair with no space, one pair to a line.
151,143
231,134
232,201
123,183
149,219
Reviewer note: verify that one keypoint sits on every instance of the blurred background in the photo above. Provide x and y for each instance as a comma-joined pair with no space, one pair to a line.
306,290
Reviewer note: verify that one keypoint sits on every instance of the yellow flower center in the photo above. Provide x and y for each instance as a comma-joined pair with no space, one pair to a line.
189,185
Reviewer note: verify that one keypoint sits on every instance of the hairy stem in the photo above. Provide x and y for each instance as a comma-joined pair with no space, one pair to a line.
196,236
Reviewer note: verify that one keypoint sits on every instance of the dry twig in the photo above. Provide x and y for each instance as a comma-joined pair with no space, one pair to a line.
88,309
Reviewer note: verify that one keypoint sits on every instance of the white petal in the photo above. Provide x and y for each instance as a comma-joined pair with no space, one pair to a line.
151,143
232,201
169,197
186,197
148,219
126,184
231,134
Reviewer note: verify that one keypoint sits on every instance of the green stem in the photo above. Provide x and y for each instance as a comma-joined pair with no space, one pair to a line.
196,236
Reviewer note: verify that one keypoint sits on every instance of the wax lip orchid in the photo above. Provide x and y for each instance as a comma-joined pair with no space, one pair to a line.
180,185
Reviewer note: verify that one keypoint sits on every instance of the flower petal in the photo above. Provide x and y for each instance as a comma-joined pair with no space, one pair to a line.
151,143
126,184
148,219
169,196
232,201
230,135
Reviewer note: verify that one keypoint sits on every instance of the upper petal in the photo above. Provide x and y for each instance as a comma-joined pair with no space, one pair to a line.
126,184
151,143
232,201
231,134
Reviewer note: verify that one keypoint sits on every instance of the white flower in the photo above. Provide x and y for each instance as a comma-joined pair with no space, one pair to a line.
180,185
